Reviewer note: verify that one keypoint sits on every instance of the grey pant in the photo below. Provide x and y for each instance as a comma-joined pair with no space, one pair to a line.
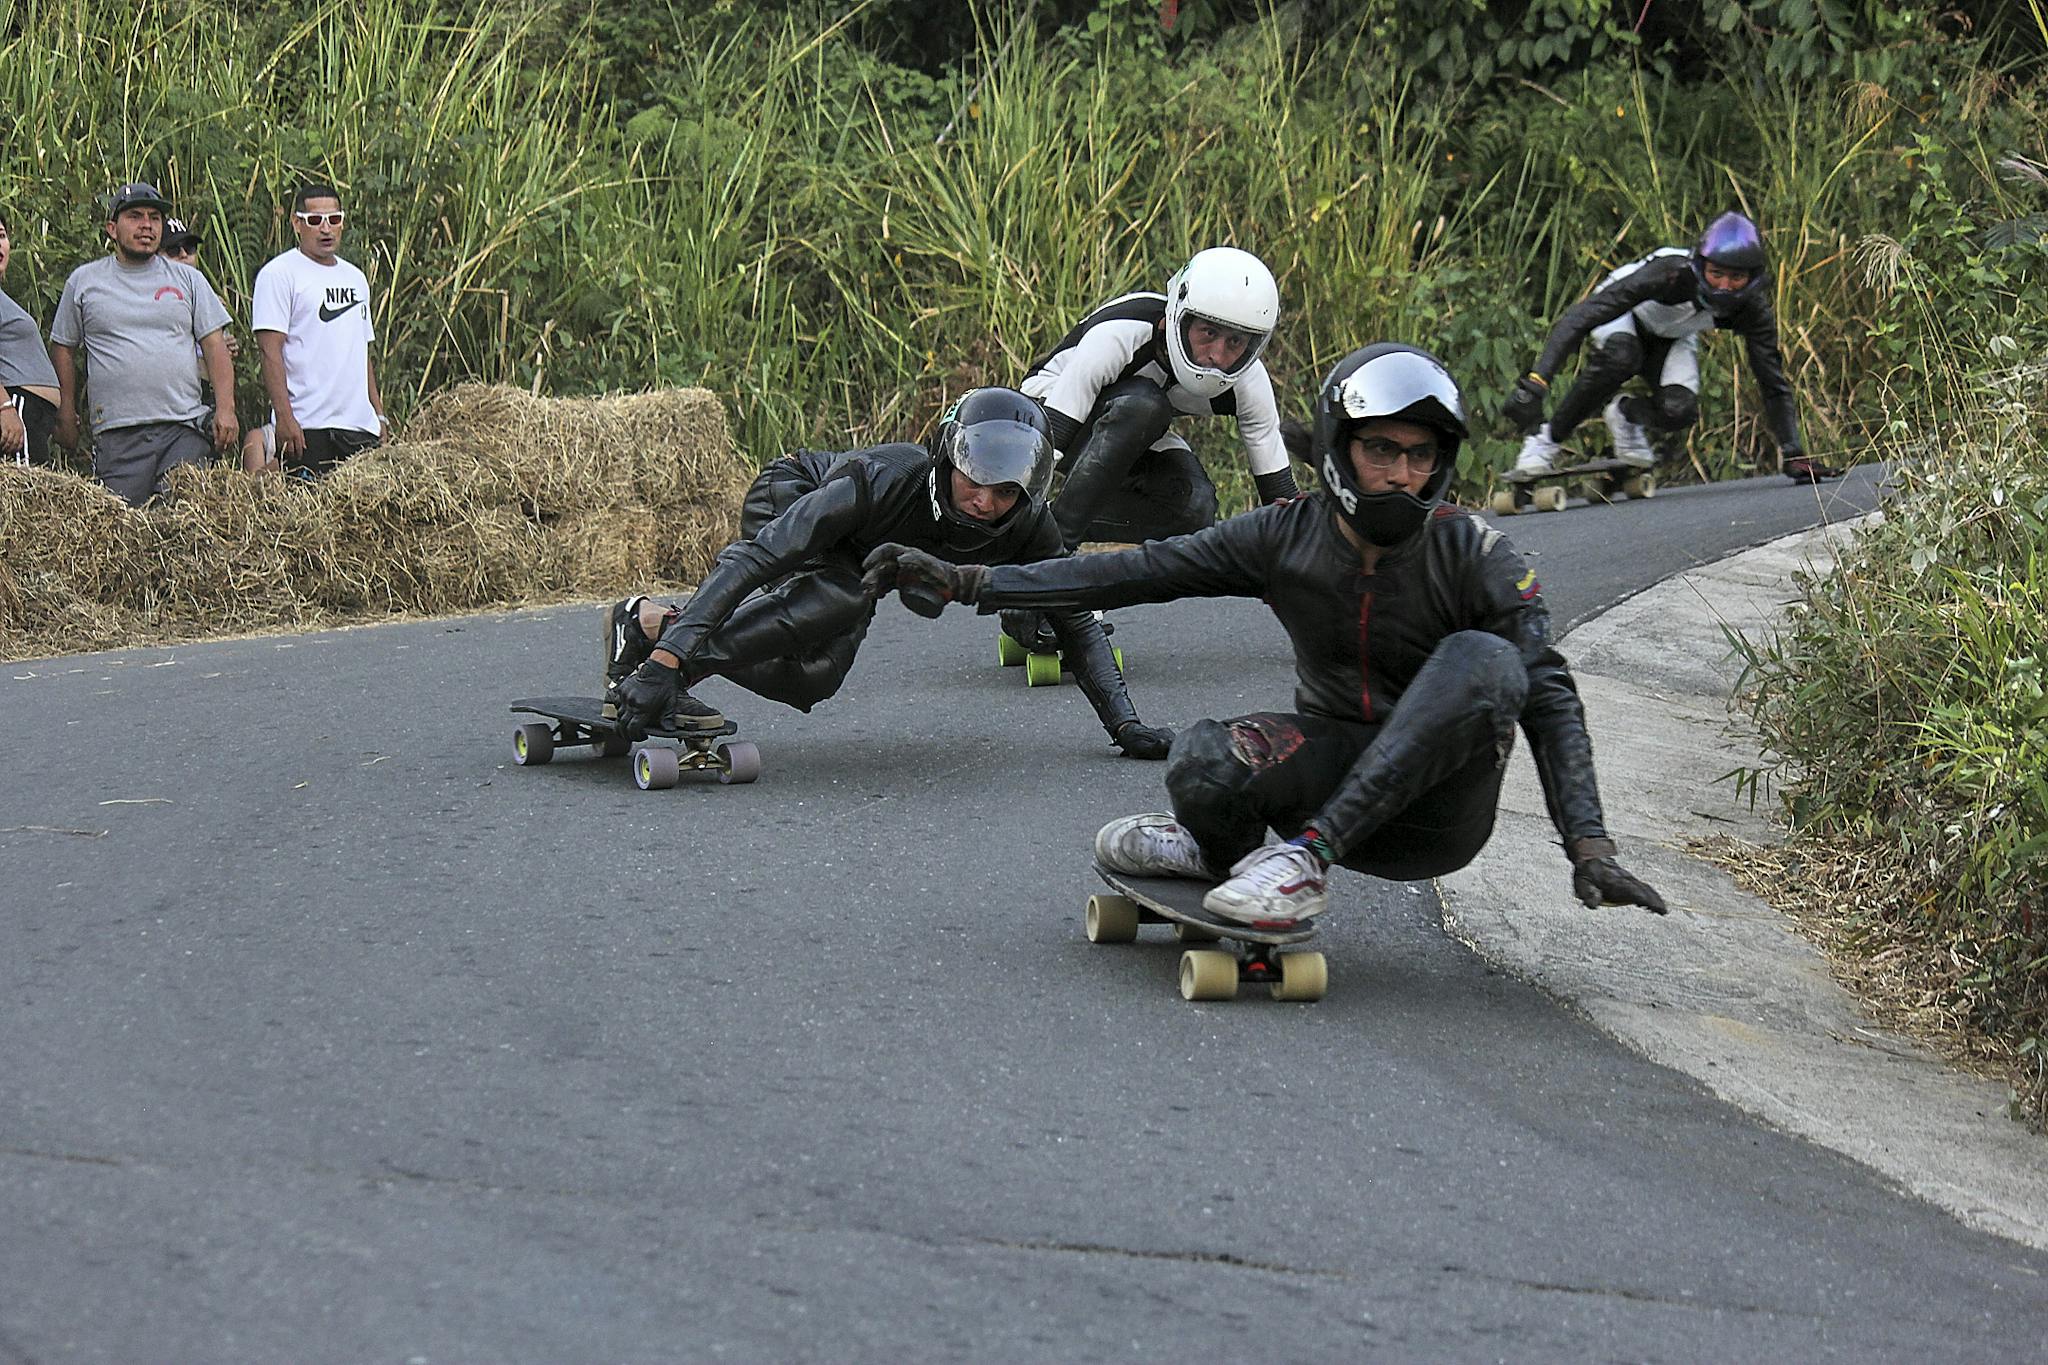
133,461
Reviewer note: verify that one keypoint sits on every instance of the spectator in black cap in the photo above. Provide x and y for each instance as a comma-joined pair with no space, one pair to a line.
137,315
182,244
28,411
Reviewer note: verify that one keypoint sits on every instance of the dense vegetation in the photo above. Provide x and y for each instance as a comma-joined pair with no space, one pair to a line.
833,215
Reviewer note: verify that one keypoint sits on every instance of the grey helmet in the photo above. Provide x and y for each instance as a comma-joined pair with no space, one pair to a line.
1395,381
993,436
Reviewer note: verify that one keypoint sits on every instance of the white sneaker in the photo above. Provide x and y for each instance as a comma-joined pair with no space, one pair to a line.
1150,845
1272,883
1631,442
1539,454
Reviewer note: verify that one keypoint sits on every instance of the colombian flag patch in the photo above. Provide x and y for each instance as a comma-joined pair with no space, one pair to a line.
1528,587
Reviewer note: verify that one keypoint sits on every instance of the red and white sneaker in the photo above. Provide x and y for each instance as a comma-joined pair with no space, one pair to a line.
1272,884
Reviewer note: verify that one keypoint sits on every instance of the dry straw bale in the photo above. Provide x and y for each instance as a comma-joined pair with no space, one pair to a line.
71,561
493,497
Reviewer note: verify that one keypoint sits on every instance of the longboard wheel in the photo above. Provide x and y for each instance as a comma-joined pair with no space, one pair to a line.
738,762
1208,974
532,744
655,768
1194,933
1111,919
1304,977
613,746
1640,486
1551,499
1042,670
1009,651
1504,503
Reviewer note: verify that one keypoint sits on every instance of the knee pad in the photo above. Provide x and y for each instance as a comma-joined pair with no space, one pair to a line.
1136,407
1493,665
1618,358
1677,407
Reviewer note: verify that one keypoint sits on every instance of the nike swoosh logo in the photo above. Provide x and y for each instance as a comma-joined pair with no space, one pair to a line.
330,314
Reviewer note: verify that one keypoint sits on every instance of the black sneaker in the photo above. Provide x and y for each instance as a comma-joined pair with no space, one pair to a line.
1806,469
690,714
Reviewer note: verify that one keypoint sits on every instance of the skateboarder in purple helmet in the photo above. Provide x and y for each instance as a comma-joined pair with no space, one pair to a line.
1421,641
1646,319
782,612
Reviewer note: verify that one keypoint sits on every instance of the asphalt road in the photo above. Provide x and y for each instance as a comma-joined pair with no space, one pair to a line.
347,1040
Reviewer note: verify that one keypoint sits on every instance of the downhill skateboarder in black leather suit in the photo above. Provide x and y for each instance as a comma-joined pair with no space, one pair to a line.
1646,319
1420,639
782,612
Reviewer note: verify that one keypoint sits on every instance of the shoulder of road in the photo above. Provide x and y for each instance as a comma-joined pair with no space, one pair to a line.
1724,989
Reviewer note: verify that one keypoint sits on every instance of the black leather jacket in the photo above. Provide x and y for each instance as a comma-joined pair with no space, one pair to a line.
883,494
1669,280
1359,639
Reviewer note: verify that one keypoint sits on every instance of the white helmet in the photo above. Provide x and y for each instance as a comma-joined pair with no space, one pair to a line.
1230,288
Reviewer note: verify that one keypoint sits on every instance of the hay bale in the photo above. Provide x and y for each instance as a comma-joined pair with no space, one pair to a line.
493,497
658,448
72,563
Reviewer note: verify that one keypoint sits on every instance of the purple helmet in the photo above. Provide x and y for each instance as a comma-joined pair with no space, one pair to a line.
1733,243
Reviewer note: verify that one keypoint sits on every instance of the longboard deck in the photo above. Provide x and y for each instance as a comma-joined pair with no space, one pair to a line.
1180,900
1573,471
588,712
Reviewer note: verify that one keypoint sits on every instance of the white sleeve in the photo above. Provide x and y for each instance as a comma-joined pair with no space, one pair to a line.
1092,364
1258,421
270,302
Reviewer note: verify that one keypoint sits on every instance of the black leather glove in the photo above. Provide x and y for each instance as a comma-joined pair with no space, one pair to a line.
646,696
1139,740
1524,408
1603,881
925,582
1278,486
1029,628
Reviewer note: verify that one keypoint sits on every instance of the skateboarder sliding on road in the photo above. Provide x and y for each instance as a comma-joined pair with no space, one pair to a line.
1646,319
782,612
1420,640
1115,382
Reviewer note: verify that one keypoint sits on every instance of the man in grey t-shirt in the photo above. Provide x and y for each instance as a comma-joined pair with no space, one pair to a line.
137,316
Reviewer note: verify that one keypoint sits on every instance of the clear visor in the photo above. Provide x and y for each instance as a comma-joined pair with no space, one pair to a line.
1214,344
1397,384
994,453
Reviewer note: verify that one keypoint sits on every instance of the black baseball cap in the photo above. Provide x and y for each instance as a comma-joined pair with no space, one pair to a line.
137,194
178,237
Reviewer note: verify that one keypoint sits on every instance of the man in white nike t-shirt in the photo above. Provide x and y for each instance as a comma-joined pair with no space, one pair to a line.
311,316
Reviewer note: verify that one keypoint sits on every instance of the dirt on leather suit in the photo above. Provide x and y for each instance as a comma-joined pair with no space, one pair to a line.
1661,292
781,612
1410,682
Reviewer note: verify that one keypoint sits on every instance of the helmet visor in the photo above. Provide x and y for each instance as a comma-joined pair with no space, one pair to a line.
1003,453
1213,344
1405,385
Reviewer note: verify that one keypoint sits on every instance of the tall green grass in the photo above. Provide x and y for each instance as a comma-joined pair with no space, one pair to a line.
786,223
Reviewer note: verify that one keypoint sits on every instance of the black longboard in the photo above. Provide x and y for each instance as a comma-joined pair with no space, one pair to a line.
1208,973
580,721
1606,481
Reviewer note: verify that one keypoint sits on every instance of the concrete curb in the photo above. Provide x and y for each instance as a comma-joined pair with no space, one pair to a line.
1724,989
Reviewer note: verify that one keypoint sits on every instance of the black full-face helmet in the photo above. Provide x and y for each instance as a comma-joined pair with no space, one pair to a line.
993,436
1733,243
1387,380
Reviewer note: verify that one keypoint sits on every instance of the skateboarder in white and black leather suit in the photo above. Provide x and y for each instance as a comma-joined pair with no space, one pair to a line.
1421,641
1646,319
782,613
1113,384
